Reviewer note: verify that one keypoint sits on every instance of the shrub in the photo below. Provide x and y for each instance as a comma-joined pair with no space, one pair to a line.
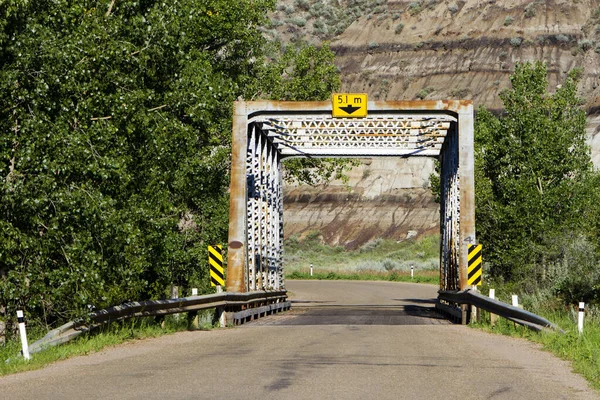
508,20
562,38
414,7
302,5
389,265
459,93
298,21
373,45
516,42
453,8
585,45
399,28
431,3
274,23
288,9
369,246
423,93
530,10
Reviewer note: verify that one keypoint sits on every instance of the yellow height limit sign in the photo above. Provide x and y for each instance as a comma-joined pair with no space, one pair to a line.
349,105
215,261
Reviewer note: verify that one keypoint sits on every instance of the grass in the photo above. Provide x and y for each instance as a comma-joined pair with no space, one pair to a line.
431,277
107,336
379,259
582,350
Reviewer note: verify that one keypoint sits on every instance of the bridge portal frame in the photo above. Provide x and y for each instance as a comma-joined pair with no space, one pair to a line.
261,139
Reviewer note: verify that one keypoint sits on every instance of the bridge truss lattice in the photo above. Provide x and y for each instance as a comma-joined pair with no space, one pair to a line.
265,133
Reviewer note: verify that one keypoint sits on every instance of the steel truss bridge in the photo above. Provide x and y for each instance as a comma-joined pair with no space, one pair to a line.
267,132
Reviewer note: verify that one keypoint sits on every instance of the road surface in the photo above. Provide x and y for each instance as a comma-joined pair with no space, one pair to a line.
342,340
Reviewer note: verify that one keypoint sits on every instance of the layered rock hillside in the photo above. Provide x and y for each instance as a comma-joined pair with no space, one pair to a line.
430,49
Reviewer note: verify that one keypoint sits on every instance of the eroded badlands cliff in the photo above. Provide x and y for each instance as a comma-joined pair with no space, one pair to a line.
430,49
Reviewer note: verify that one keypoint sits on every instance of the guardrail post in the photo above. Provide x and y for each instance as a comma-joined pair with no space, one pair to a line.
220,314
464,314
193,320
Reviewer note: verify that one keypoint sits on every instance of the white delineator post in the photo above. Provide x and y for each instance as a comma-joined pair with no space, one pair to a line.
194,291
515,303
23,333
221,311
580,317
412,272
493,317
515,300
475,315
310,269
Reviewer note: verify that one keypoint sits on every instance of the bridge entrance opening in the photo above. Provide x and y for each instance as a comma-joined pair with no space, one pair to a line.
267,132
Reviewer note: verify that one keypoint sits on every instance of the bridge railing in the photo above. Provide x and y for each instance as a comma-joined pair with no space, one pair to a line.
239,308
447,300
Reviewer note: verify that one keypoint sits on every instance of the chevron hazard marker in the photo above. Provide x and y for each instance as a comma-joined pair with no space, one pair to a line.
474,270
215,261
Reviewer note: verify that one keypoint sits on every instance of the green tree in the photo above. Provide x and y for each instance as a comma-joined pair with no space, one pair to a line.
114,153
288,77
534,178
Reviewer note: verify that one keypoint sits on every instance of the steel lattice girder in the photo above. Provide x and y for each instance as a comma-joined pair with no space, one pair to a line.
264,133
375,135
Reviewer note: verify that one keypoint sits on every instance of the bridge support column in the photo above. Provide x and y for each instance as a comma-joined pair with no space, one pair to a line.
466,172
236,252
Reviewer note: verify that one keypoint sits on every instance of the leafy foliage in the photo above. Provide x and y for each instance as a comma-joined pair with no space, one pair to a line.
535,186
114,157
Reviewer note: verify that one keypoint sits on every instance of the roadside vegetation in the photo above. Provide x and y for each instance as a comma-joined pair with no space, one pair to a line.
536,192
538,212
106,336
115,144
379,259
583,350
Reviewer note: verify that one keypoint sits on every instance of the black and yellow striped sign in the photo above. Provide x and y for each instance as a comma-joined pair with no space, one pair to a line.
215,261
474,275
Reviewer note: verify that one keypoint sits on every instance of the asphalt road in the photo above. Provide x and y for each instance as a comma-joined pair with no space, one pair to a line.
342,340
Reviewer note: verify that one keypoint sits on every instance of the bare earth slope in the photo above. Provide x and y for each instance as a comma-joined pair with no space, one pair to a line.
436,50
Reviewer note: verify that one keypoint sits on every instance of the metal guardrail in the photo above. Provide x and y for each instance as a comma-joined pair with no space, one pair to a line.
243,306
507,311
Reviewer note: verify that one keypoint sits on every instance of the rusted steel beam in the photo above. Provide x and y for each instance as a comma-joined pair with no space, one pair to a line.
236,253
326,106
466,171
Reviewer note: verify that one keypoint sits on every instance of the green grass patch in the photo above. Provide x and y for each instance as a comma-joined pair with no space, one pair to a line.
431,277
380,259
110,335
583,350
